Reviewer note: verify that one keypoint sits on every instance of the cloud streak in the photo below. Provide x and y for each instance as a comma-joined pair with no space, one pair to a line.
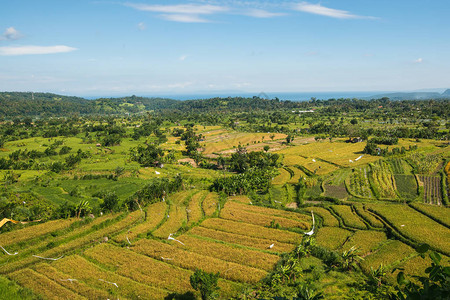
196,13
190,9
318,9
32,50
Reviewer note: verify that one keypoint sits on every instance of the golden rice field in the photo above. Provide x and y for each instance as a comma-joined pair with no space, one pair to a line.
240,198
79,287
228,252
350,218
90,273
328,219
297,175
210,204
414,225
176,217
33,231
390,254
367,216
337,152
194,209
315,166
365,241
281,178
243,240
155,214
192,261
251,230
235,213
46,287
438,213
270,211
332,237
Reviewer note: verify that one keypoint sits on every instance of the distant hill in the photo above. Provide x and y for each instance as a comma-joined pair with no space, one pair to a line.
412,95
446,93
21,104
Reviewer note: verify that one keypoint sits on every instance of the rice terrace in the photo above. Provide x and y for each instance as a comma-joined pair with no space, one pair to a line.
104,205
223,149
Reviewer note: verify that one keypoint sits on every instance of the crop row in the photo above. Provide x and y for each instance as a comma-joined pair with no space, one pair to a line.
210,204
92,275
358,183
233,212
176,218
297,175
440,214
432,189
281,178
332,237
92,237
227,252
365,241
349,218
25,252
270,211
252,242
414,225
77,287
382,180
252,230
406,186
155,213
191,260
31,232
327,217
367,216
240,199
313,165
400,166
389,255
42,285
194,209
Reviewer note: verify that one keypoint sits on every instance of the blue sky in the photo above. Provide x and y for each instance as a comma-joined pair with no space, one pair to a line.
183,47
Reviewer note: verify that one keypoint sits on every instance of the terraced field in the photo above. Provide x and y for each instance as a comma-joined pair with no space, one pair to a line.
77,260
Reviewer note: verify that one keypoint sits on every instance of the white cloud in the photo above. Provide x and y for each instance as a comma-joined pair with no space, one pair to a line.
141,26
28,50
193,13
183,57
326,11
183,18
260,13
189,9
418,61
11,34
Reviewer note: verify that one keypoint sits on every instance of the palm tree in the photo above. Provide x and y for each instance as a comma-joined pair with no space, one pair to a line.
350,258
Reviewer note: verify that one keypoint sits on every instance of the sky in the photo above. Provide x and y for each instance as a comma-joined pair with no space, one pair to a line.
157,47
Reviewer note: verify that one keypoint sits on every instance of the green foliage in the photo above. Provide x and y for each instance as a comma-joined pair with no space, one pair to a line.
253,179
205,283
147,155
154,192
434,286
11,291
110,202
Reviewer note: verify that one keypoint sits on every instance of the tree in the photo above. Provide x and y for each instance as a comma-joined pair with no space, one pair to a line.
146,155
266,148
289,139
110,201
205,283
